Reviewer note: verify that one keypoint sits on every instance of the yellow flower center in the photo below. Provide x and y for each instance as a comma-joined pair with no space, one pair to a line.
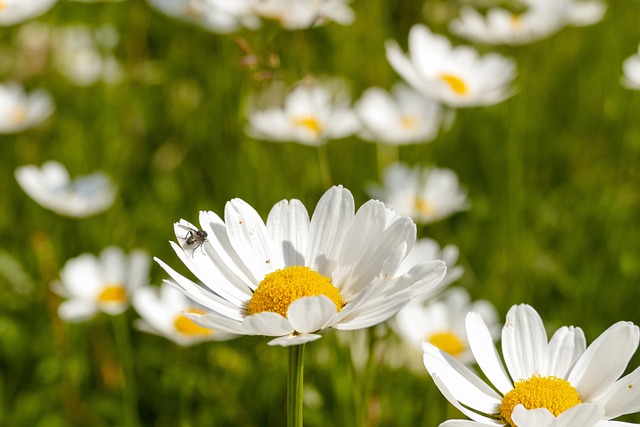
2,5
455,83
408,122
310,123
19,113
424,207
517,23
113,293
282,287
447,341
553,393
186,326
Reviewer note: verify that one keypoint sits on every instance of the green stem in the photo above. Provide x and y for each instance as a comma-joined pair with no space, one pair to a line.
387,155
325,170
295,386
125,354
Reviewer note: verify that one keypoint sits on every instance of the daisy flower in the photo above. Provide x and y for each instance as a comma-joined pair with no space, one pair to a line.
293,276
162,311
577,13
52,188
19,110
631,72
93,284
310,114
301,14
441,323
401,117
16,11
425,194
456,77
560,378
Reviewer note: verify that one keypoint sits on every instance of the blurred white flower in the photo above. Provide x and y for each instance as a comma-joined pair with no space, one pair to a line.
93,284
631,71
162,310
442,323
16,11
426,249
218,16
425,194
576,13
19,110
501,26
301,14
454,76
52,188
310,114
401,117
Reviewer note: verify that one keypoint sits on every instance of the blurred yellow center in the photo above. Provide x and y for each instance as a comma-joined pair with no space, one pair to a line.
2,5
516,22
553,393
310,123
408,122
455,83
19,113
282,287
424,207
447,341
186,326
113,293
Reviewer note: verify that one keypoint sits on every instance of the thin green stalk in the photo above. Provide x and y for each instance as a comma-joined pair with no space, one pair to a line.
325,169
387,155
295,386
125,356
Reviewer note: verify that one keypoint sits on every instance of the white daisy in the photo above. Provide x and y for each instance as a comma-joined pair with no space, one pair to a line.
310,114
441,323
19,110
100,284
457,77
631,71
577,13
425,194
162,311
52,188
301,14
293,277
401,117
218,16
558,376
16,11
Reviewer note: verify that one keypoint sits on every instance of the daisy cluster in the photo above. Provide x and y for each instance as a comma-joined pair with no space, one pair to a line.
296,273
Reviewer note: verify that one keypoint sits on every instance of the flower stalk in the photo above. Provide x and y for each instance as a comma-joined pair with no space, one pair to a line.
295,386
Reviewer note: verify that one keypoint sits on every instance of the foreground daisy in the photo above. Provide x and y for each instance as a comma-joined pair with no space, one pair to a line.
311,114
52,188
293,277
162,310
400,117
425,194
426,249
19,110
16,11
561,377
301,14
454,76
105,284
631,71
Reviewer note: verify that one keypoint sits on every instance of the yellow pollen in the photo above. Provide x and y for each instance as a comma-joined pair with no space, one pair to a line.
186,326
424,207
455,83
19,113
310,123
113,293
408,122
447,341
282,287
553,393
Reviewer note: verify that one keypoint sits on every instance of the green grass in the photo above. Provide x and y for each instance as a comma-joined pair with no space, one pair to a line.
552,176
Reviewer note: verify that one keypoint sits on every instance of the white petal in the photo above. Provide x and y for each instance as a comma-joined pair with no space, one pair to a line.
481,419
290,340
75,310
288,224
267,323
216,321
565,348
524,343
623,397
540,417
311,314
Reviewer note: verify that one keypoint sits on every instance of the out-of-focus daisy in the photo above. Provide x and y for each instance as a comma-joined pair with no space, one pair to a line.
576,13
631,71
501,26
425,194
162,311
52,188
16,11
218,16
293,277
19,110
545,377
301,14
311,114
441,323
426,249
457,77
401,117
93,284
